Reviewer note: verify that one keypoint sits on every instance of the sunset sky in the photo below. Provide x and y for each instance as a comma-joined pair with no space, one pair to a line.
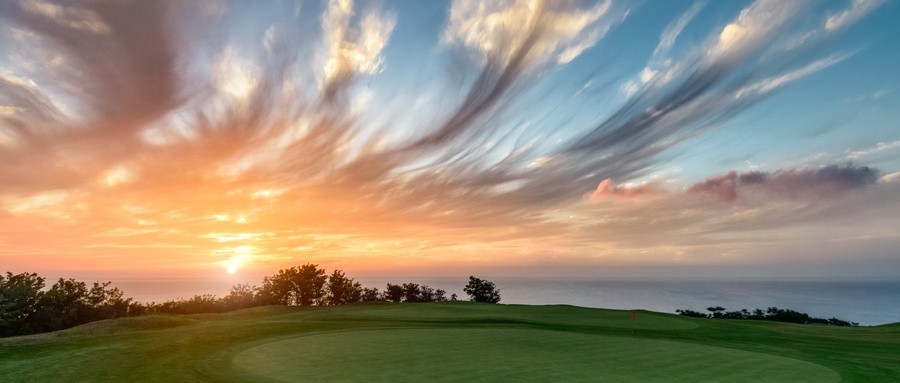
755,139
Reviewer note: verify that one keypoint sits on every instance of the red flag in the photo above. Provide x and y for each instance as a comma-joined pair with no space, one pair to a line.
633,315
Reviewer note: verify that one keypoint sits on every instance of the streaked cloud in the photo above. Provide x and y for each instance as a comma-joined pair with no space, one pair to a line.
671,33
351,49
858,9
878,148
755,25
160,130
772,83
524,33
72,17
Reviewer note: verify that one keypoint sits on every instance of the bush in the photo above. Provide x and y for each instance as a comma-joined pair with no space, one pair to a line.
772,314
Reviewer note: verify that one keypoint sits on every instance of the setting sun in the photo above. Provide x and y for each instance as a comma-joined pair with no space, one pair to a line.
181,138
198,175
240,257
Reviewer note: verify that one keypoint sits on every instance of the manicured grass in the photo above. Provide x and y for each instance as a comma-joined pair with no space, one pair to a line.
514,355
450,341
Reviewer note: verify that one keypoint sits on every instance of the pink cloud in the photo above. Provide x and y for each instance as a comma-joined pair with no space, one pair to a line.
724,187
608,189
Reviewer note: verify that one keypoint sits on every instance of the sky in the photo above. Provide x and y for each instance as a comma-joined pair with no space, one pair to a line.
595,139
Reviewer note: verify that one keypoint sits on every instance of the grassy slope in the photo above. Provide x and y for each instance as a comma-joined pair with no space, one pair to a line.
452,340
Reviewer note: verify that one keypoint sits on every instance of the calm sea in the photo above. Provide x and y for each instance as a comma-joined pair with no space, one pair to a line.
866,302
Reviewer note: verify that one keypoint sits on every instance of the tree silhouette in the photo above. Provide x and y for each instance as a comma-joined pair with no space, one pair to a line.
342,290
26,308
393,293
19,298
370,294
241,296
411,293
299,286
480,290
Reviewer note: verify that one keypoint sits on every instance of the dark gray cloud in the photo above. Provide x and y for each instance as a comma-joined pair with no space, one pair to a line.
93,76
826,181
118,59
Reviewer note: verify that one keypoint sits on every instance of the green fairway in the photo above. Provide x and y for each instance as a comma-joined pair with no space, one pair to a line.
512,354
450,342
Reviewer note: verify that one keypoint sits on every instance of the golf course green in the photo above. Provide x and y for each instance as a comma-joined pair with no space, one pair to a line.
453,341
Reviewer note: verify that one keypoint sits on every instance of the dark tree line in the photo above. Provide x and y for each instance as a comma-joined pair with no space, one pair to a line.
308,285
28,307
771,314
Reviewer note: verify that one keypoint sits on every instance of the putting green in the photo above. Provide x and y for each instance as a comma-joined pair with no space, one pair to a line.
511,354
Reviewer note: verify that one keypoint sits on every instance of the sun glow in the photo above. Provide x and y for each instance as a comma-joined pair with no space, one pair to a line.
241,256
353,136
234,263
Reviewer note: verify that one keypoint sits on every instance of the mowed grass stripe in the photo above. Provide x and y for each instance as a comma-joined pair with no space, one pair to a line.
546,315
511,354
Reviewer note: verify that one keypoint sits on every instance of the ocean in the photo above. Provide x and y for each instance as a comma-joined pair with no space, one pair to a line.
865,302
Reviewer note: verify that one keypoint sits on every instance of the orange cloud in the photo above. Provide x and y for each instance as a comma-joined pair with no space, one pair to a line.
608,189
159,147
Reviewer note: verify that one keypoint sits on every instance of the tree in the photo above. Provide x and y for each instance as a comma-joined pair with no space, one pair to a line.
241,296
393,293
26,308
370,295
342,290
716,311
20,295
480,290
692,313
758,314
64,305
310,284
277,289
110,302
300,286
427,294
411,293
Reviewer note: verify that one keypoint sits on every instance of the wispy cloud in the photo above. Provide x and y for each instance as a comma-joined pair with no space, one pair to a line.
352,50
72,17
671,33
772,83
878,148
526,33
858,9
157,134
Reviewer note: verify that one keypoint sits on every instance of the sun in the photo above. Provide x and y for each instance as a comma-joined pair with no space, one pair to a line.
240,257
232,265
